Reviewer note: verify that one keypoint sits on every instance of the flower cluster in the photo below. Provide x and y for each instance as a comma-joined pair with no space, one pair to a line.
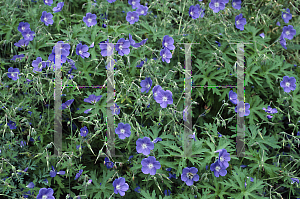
219,167
167,46
270,111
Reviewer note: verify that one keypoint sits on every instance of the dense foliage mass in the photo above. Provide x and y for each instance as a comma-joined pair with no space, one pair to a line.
143,43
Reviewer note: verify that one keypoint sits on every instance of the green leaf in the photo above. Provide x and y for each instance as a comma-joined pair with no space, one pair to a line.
147,195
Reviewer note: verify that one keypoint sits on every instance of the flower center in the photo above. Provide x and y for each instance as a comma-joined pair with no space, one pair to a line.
287,32
218,168
144,146
191,13
118,187
164,56
121,47
287,84
89,20
221,159
155,94
166,44
237,22
216,5
148,85
190,175
23,28
28,35
241,109
150,166
132,18
108,48
45,18
133,3
80,52
284,16
142,12
12,75
46,1
165,99
233,3
45,196
122,130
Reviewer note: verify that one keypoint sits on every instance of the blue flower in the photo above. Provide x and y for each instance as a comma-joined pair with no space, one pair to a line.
164,98
106,48
30,185
123,47
111,1
157,140
66,47
189,175
262,35
115,109
78,174
53,172
134,3
22,43
142,10
120,186
144,145
45,193
168,43
217,169
23,26
18,57
217,5
12,125
141,64
59,7
270,110
48,2
82,50
13,73
108,163
282,41
286,16
194,11
237,4
288,32
149,165
288,84
146,85
22,143
67,104
123,131
224,158
166,55
155,91
240,22
47,18
137,189
38,64
295,180
242,109
90,19
132,17
84,131
93,99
